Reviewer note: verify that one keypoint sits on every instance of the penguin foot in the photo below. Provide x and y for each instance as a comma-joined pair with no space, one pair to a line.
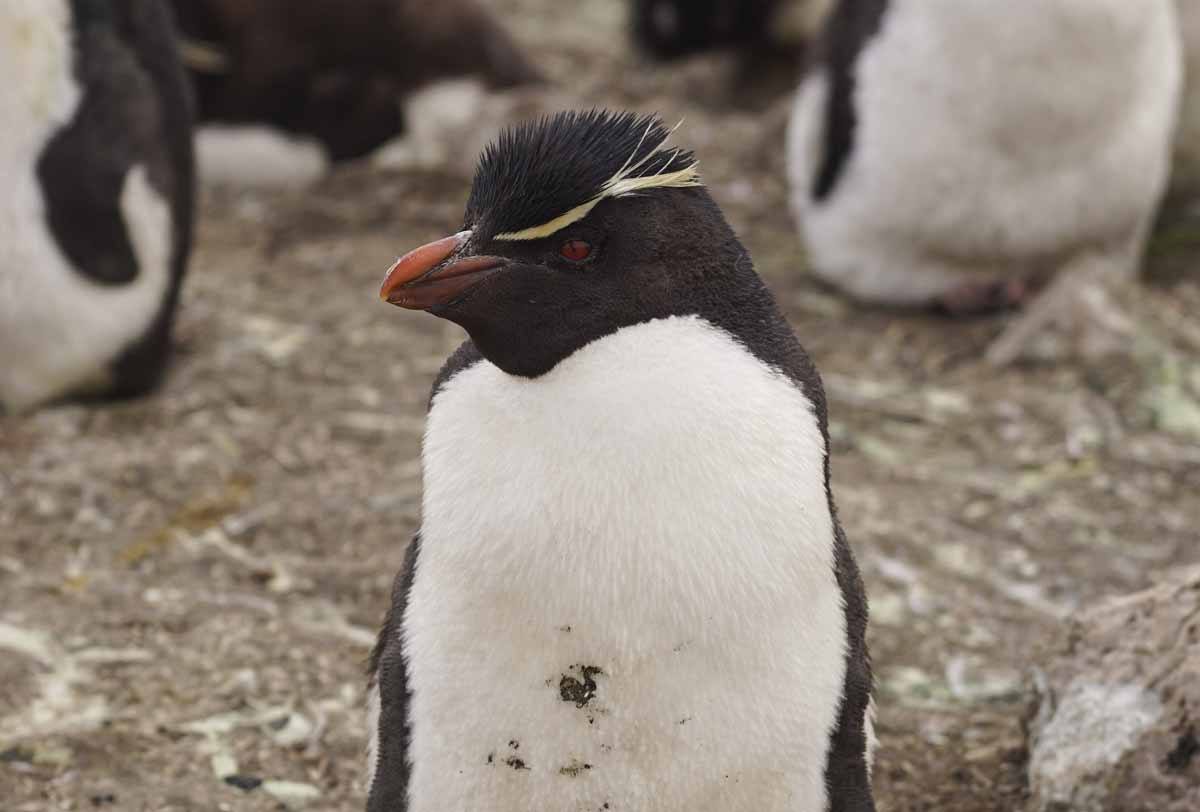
1077,306
979,297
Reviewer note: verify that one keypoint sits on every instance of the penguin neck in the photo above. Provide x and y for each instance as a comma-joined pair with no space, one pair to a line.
715,281
598,461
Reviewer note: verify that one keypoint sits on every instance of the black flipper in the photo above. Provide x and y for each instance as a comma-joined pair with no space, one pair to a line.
135,111
850,27
389,671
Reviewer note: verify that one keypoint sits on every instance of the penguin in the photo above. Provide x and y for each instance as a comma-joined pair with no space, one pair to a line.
96,219
771,39
669,29
960,154
335,71
630,588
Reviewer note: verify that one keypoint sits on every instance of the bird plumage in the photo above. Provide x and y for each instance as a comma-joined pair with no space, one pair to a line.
631,587
949,140
96,227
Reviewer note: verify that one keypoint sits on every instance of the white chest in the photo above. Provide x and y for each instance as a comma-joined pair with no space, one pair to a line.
59,330
626,592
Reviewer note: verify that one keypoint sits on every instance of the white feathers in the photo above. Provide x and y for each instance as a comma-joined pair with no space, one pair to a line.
654,507
623,182
254,156
993,140
557,224
58,329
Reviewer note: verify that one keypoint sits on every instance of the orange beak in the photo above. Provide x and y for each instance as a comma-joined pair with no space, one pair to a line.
424,277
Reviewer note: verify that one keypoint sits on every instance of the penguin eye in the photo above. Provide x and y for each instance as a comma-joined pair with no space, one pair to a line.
575,250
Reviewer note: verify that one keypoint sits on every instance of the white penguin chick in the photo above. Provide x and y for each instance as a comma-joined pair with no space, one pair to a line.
959,153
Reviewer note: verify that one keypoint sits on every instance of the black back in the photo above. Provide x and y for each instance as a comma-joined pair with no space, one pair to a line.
135,111
850,27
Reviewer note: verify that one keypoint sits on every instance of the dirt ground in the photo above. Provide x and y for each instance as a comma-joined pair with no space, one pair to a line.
189,584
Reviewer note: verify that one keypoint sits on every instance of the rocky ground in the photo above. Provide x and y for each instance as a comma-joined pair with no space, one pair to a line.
189,584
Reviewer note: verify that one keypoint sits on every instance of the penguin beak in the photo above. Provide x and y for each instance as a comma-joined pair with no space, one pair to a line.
432,275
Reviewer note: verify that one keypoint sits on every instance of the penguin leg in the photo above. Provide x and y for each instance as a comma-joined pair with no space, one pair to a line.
1078,305
978,297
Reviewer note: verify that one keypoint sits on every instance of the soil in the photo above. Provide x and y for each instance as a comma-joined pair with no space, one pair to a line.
190,583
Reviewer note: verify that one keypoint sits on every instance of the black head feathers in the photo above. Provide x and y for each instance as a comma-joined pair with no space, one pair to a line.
539,177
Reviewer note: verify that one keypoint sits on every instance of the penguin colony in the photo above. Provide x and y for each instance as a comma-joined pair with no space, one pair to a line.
629,559
96,219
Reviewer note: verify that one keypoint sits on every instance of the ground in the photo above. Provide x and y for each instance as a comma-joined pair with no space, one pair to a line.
190,583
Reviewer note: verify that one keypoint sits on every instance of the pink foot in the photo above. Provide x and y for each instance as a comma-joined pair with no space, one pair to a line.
977,297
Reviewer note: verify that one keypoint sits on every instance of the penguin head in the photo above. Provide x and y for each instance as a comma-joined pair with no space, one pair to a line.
576,225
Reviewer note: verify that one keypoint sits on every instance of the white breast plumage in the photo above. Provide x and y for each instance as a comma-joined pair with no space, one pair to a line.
626,590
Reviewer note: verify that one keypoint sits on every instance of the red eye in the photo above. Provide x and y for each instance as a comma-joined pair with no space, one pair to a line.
575,250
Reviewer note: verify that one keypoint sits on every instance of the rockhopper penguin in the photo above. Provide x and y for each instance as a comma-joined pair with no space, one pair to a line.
630,590
96,216
959,153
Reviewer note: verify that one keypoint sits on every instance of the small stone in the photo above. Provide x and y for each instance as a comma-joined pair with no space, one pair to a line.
1113,730
292,794
243,782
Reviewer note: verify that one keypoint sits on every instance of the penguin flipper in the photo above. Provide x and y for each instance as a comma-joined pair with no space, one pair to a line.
848,771
389,694
122,121
135,116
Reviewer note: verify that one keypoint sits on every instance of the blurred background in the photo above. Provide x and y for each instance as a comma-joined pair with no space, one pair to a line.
190,581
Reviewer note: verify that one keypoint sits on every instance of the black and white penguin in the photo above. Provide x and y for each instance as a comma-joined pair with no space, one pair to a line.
337,71
96,218
668,29
630,589
960,152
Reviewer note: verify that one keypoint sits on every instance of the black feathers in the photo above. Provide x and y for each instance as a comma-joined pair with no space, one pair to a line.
851,26
536,172
669,29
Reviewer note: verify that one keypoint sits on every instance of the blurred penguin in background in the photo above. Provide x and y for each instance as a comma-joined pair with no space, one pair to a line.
337,70
770,36
962,153
96,216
